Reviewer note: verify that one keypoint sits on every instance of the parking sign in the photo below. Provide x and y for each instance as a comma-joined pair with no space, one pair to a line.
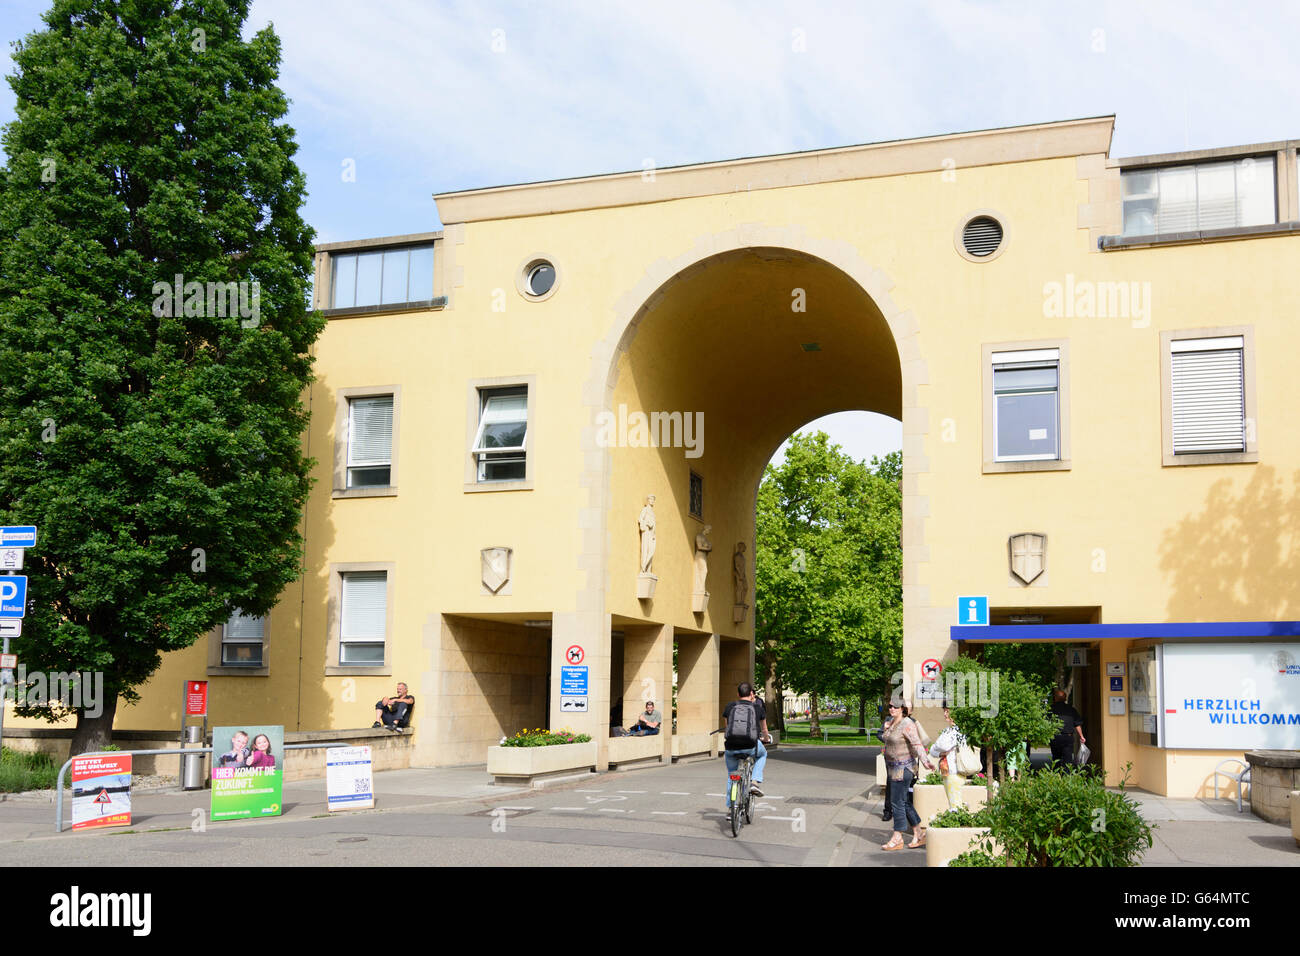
13,596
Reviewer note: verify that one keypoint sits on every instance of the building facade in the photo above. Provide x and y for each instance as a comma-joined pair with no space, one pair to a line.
1091,359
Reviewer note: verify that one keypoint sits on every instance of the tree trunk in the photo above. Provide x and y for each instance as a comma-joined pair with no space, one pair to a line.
862,715
95,733
780,709
814,723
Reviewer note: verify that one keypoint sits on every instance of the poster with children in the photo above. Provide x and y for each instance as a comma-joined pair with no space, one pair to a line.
247,772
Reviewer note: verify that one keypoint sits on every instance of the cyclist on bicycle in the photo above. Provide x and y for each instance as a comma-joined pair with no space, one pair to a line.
745,735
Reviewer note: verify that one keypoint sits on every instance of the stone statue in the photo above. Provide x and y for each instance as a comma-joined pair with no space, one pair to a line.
646,522
738,573
702,548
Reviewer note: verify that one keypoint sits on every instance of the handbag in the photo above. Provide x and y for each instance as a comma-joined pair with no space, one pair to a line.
1082,756
968,761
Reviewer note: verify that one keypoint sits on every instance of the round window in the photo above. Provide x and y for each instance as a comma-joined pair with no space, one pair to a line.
537,278
541,278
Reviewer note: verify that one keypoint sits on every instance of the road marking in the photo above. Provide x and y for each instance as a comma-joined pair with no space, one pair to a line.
631,791
668,813
588,791
568,808
612,810
771,817
502,806
713,794
675,793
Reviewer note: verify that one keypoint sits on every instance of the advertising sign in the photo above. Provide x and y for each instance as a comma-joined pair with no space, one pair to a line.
196,698
247,771
101,791
1232,696
349,781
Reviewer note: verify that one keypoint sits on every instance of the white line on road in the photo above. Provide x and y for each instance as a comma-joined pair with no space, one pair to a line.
771,817
713,794
668,813
675,793
612,810
568,808
588,791
631,791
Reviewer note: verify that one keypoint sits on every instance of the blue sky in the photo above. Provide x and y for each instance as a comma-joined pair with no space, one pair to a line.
428,96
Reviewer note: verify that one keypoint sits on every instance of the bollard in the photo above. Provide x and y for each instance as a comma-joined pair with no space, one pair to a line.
192,764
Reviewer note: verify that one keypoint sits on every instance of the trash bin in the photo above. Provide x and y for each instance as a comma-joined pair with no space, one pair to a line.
192,764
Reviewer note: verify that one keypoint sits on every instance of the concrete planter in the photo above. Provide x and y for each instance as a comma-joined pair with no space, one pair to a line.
880,771
974,797
523,765
690,745
944,843
1295,816
929,800
625,751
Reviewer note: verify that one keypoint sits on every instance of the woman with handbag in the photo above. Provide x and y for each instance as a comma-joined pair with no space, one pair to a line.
903,748
944,750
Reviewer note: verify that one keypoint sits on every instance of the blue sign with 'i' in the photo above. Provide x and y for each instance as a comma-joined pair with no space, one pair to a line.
973,610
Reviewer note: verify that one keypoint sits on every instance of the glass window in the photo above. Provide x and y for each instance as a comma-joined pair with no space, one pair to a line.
363,618
1026,405
1202,196
242,640
697,495
370,441
500,444
388,277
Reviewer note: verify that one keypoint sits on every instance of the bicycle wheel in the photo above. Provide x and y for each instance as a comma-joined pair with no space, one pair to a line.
749,795
735,810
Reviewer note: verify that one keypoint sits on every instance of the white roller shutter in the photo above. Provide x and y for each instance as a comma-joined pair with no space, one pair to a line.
370,439
1209,411
365,596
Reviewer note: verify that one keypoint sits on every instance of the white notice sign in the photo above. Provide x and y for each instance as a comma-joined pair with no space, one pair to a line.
349,780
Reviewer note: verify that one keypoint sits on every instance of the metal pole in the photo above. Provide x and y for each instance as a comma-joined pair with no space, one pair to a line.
4,686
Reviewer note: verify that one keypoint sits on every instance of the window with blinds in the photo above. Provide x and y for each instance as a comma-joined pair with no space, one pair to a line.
1026,405
1201,196
363,617
393,277
501,442
1208,403
242,641
370,441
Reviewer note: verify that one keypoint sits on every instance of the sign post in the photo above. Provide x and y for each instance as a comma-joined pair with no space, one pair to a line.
13,597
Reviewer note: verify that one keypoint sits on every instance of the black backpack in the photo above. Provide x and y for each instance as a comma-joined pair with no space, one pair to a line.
742,725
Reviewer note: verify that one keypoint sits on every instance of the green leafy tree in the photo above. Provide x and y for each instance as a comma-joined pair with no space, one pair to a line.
828,582
157,448
1014,710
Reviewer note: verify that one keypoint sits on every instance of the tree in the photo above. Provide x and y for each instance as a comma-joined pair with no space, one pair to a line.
828,582
154,334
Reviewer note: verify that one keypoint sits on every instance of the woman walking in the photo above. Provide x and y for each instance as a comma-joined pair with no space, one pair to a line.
944,751
903,748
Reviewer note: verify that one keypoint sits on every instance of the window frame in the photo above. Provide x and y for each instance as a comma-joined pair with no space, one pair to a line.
1196,167
1250,423
992,464
690,495
343,439
216,643
475,405
334,643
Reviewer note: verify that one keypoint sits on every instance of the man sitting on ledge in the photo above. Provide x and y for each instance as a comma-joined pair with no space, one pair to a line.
648,723
394,711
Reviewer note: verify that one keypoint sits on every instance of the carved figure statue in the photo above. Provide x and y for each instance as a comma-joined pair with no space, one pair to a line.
646,522
702,548
738,573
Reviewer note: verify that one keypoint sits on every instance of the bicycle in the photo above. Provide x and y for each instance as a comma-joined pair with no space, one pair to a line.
740,792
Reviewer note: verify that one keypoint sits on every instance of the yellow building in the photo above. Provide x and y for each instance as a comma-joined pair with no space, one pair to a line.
1091,359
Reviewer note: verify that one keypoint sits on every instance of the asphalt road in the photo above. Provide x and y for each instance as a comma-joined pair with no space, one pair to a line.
821,808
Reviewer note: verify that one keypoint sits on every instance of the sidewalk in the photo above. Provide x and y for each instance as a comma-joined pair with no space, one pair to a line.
23,817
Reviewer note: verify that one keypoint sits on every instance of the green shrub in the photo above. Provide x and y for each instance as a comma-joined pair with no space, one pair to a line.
1057,817
932,779
960,817
21,771
975,858
544,738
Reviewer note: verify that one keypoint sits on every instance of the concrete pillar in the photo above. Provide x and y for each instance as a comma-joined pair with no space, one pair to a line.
648,675
699,708
589,631
735,664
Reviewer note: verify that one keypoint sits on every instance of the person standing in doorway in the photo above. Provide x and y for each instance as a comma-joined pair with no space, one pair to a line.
1071,727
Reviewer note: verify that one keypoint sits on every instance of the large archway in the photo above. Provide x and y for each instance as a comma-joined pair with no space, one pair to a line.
750,334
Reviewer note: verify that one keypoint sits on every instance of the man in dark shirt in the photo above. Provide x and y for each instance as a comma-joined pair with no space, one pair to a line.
739,748
1071,725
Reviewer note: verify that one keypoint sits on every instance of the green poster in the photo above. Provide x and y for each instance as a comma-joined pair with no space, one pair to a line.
247,772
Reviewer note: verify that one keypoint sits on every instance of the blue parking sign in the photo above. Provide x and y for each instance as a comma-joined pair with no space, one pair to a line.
973,609
13,596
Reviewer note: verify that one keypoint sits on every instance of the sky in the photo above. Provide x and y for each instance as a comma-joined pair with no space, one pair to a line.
422,96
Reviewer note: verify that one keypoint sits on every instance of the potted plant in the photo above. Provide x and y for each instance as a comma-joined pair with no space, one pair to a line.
975,791
952,832
538,753
929,796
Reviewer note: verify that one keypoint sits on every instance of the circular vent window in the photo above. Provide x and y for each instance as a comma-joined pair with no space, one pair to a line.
980,238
